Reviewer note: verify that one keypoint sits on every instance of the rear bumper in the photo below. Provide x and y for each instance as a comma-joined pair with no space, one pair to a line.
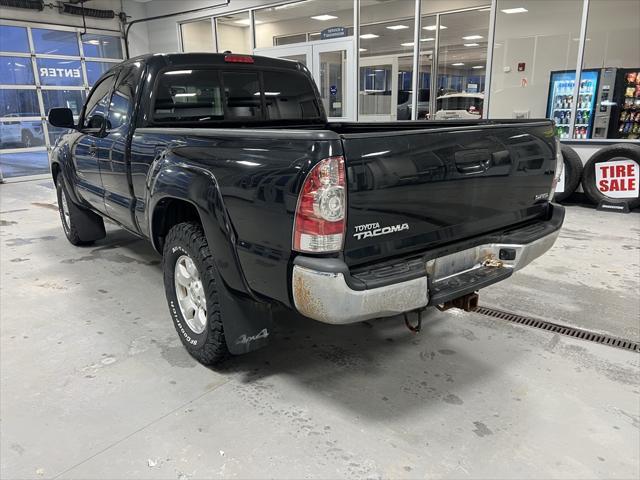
324,289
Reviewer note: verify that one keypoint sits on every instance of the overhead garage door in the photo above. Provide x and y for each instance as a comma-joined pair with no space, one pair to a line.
41,68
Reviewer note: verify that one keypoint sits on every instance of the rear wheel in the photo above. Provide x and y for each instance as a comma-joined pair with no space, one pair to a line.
81,226
192,295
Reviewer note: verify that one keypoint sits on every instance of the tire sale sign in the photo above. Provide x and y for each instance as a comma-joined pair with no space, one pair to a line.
618,178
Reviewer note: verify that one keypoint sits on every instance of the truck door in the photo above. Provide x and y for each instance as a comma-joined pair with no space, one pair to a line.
115,165
85,150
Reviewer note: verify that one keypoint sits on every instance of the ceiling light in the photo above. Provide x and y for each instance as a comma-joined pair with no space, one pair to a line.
367,36
397,27
324,18
407,44
430,39
363,49
247,22
459,64
472,37
433,27
476,67
514,10
471,44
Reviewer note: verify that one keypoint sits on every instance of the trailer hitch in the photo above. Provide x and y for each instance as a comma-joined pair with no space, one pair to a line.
468,303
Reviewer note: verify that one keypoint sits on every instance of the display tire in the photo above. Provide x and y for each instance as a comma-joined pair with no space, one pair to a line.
188,239
572,172
80,226
621,151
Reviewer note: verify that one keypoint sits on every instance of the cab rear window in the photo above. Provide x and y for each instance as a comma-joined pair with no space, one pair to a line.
208,95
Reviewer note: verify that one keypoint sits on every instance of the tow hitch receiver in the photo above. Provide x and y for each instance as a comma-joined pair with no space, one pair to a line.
468,303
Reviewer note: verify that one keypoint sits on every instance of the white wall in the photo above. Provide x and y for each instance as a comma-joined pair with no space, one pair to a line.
52,15
546,39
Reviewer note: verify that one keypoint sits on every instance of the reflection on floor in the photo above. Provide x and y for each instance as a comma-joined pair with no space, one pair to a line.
20,164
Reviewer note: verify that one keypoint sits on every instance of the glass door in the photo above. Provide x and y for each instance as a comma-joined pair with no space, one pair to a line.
302,53
378,93
333,72
331,64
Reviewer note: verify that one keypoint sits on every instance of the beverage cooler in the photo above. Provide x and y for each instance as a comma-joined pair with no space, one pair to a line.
560,102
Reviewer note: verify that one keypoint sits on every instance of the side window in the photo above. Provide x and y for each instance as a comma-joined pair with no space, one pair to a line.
123,98
98,104
242,95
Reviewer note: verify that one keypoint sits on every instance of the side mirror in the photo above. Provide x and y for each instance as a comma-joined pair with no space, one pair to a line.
61,117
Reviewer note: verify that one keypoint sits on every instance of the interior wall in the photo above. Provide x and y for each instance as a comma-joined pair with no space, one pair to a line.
235,39
53,16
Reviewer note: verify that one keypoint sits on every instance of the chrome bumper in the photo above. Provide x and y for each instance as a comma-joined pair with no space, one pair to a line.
326,296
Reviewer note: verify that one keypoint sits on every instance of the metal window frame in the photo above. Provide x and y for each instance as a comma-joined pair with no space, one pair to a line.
37,85
579,65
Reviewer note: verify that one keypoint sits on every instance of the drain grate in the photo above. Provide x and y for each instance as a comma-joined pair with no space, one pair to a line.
561,329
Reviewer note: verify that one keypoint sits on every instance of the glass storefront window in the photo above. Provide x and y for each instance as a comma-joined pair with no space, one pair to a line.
96,69
198,36
62,85
53,71
101,46
55,42
73,99
22,103
14,39
609,98
534,60
386,60
234,33
16,71
462,57
303,22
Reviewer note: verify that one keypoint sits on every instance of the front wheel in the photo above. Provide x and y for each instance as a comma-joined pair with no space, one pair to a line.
192,295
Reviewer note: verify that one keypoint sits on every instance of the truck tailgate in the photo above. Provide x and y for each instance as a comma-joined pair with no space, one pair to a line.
417,189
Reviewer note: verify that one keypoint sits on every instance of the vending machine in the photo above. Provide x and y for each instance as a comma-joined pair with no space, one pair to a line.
560,102
625,104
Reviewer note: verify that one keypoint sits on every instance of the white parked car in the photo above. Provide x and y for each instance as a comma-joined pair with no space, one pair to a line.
459,106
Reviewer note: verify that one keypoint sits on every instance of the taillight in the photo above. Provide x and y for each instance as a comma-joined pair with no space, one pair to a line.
558,172
320,213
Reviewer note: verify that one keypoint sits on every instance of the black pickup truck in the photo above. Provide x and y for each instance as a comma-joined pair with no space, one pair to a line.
227,165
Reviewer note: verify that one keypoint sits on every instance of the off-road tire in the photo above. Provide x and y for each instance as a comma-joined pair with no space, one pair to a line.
208,347
572,172
607,154
80,226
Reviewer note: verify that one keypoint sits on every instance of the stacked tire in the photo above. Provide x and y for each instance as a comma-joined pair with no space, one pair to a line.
571,174
612,175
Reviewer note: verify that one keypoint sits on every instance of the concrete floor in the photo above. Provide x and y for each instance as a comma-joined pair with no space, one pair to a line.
95,382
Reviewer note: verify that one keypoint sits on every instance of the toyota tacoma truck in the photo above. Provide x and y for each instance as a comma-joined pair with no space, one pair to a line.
227,164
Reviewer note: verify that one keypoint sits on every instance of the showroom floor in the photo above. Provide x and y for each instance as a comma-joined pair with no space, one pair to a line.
95,382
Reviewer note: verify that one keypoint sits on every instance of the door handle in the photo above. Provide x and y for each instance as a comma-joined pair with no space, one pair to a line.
473,161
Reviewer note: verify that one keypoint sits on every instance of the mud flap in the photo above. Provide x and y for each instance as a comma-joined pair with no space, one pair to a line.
247,323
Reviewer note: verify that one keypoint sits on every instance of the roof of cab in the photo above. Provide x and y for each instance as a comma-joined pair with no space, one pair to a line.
162,59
